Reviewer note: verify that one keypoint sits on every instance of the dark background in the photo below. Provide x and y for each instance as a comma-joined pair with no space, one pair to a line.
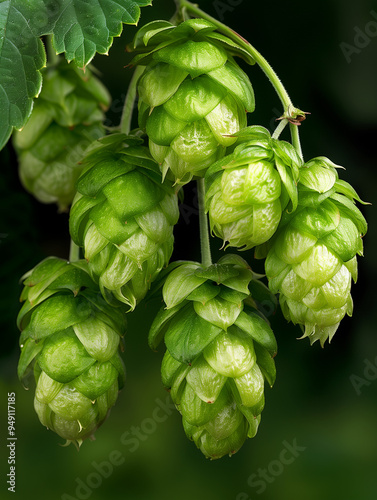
323,400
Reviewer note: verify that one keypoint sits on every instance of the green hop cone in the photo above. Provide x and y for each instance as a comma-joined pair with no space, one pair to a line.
219,351
193,95
123,216
247,190
70,339
66,118
312,259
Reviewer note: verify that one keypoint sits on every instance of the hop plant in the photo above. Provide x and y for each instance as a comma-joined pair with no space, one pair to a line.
193,95
121,187
312,259
123,216
219,352
247,190
66,118
70,339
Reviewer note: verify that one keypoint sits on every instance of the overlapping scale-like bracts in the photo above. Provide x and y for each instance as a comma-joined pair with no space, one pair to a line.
123,217
313,257
66,118
247,190
193,95
70,339
219,352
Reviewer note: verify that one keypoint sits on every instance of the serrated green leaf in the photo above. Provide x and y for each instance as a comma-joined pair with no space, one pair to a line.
22,56
83,28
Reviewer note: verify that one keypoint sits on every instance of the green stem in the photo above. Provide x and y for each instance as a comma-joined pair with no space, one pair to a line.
296,139
129,103
52,56
290,112
279,129
74,252
259,59
203,224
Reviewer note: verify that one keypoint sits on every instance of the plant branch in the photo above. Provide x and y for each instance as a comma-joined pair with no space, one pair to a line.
203,224
279,129
259,59
296,139
129,103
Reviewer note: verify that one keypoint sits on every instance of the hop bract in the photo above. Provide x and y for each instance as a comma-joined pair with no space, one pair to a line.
219,352
70,340
66,118
193,96
247,190
123,216
312,259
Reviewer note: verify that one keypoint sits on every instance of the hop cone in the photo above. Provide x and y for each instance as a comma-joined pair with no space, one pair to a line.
70,339
123,217
219,351
66,118
312,259
247,190
193,95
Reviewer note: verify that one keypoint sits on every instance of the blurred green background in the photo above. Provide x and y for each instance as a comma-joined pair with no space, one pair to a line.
324,403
